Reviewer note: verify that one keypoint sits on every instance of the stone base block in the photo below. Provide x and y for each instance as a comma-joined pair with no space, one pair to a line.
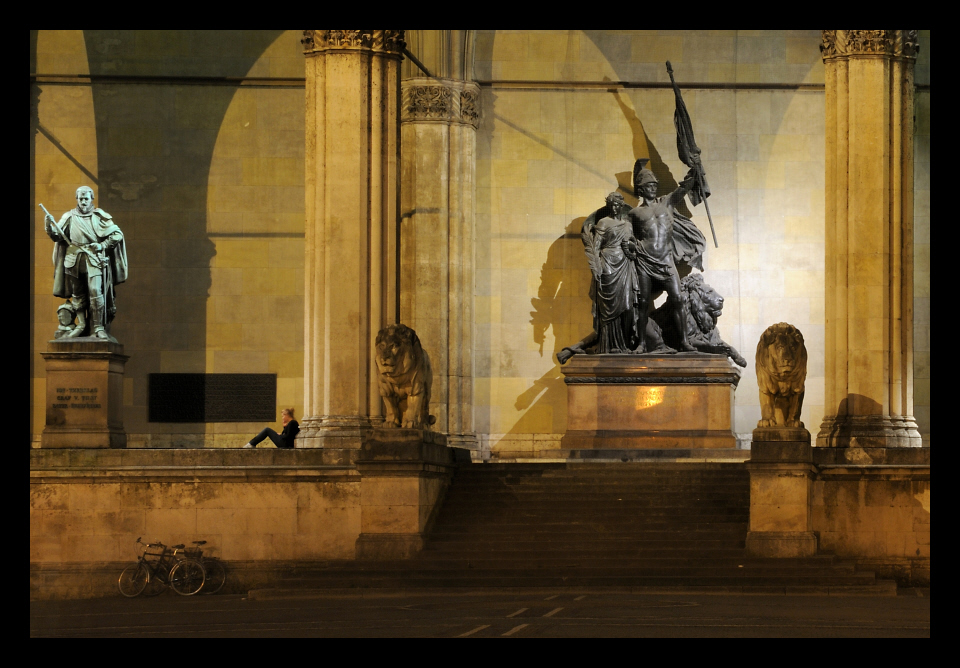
871,456
650,402
83,438
335,432
781,544
84,394
781,445
404,474
388,546
869,432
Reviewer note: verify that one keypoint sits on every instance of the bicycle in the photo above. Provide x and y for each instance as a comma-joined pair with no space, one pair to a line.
181,573
215,574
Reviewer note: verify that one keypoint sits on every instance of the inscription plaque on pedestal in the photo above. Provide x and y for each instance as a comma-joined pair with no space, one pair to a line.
84,394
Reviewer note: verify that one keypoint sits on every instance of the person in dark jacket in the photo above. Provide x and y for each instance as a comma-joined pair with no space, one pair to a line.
283,440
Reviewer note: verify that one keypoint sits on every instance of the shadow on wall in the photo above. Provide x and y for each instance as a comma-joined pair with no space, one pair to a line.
563,298
155,142
862,409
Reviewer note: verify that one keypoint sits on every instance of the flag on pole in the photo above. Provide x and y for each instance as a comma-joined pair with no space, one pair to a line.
686,150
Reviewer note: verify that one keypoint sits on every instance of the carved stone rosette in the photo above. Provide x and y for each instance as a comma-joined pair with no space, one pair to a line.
382,42
881,43
440,100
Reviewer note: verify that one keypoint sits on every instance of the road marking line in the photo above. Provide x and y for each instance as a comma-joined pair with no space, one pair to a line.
470,633
514,614
514,630
550,598
580,598
553,612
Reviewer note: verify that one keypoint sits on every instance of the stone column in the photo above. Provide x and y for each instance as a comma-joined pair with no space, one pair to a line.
439,133
351,199
869,239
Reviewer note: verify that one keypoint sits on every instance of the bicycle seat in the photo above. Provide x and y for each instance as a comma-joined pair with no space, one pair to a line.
199,542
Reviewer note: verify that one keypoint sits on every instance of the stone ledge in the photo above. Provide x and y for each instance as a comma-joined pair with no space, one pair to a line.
197,474
871,456
403,451
874,472
50,459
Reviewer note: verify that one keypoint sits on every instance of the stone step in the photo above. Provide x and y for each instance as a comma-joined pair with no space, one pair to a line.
601,494
567,504
571,579
596,545
633,517
880,588
639,524
490,551
583,532
633,565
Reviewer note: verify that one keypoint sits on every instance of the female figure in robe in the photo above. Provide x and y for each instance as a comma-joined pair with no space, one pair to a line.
610,246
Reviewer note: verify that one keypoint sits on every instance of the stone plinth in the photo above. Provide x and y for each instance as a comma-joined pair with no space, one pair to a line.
649,402
404,475
781,477
84,394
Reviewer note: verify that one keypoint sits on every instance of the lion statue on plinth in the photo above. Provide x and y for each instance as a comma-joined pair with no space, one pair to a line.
781,373
405,378
702,305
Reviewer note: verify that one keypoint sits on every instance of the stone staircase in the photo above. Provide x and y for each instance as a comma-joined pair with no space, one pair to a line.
639,527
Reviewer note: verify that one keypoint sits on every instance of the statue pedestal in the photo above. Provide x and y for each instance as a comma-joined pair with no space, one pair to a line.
650,402
781,492
404,475
84,394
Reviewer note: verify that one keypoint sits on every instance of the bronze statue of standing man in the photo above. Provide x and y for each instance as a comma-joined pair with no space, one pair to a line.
659,246
89,260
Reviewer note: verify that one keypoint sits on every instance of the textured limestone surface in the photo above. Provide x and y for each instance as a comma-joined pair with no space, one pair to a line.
211,180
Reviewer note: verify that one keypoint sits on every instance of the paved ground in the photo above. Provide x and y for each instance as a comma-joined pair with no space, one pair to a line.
490,616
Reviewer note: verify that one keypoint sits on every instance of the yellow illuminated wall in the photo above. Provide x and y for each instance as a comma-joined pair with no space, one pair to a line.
550,151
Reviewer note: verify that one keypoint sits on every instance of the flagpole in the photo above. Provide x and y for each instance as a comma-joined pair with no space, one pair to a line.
701,177
707,207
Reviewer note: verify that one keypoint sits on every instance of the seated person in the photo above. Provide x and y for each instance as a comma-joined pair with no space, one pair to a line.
285,440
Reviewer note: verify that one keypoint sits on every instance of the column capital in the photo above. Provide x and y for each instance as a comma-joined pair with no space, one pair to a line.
436,99
383,42
839,44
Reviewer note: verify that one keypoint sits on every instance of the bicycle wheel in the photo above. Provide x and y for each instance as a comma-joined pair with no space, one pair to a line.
186,578
132,581
214,577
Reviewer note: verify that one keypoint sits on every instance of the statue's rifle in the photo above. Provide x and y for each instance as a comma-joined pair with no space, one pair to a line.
687,146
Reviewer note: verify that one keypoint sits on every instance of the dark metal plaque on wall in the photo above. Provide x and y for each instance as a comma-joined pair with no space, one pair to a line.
212,397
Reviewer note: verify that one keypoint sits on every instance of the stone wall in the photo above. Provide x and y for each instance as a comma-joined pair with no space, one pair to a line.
194,141
556,139
879,515
205,177
87,508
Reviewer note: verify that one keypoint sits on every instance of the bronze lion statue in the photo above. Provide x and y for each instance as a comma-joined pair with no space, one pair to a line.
702,305
405,378
781,372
